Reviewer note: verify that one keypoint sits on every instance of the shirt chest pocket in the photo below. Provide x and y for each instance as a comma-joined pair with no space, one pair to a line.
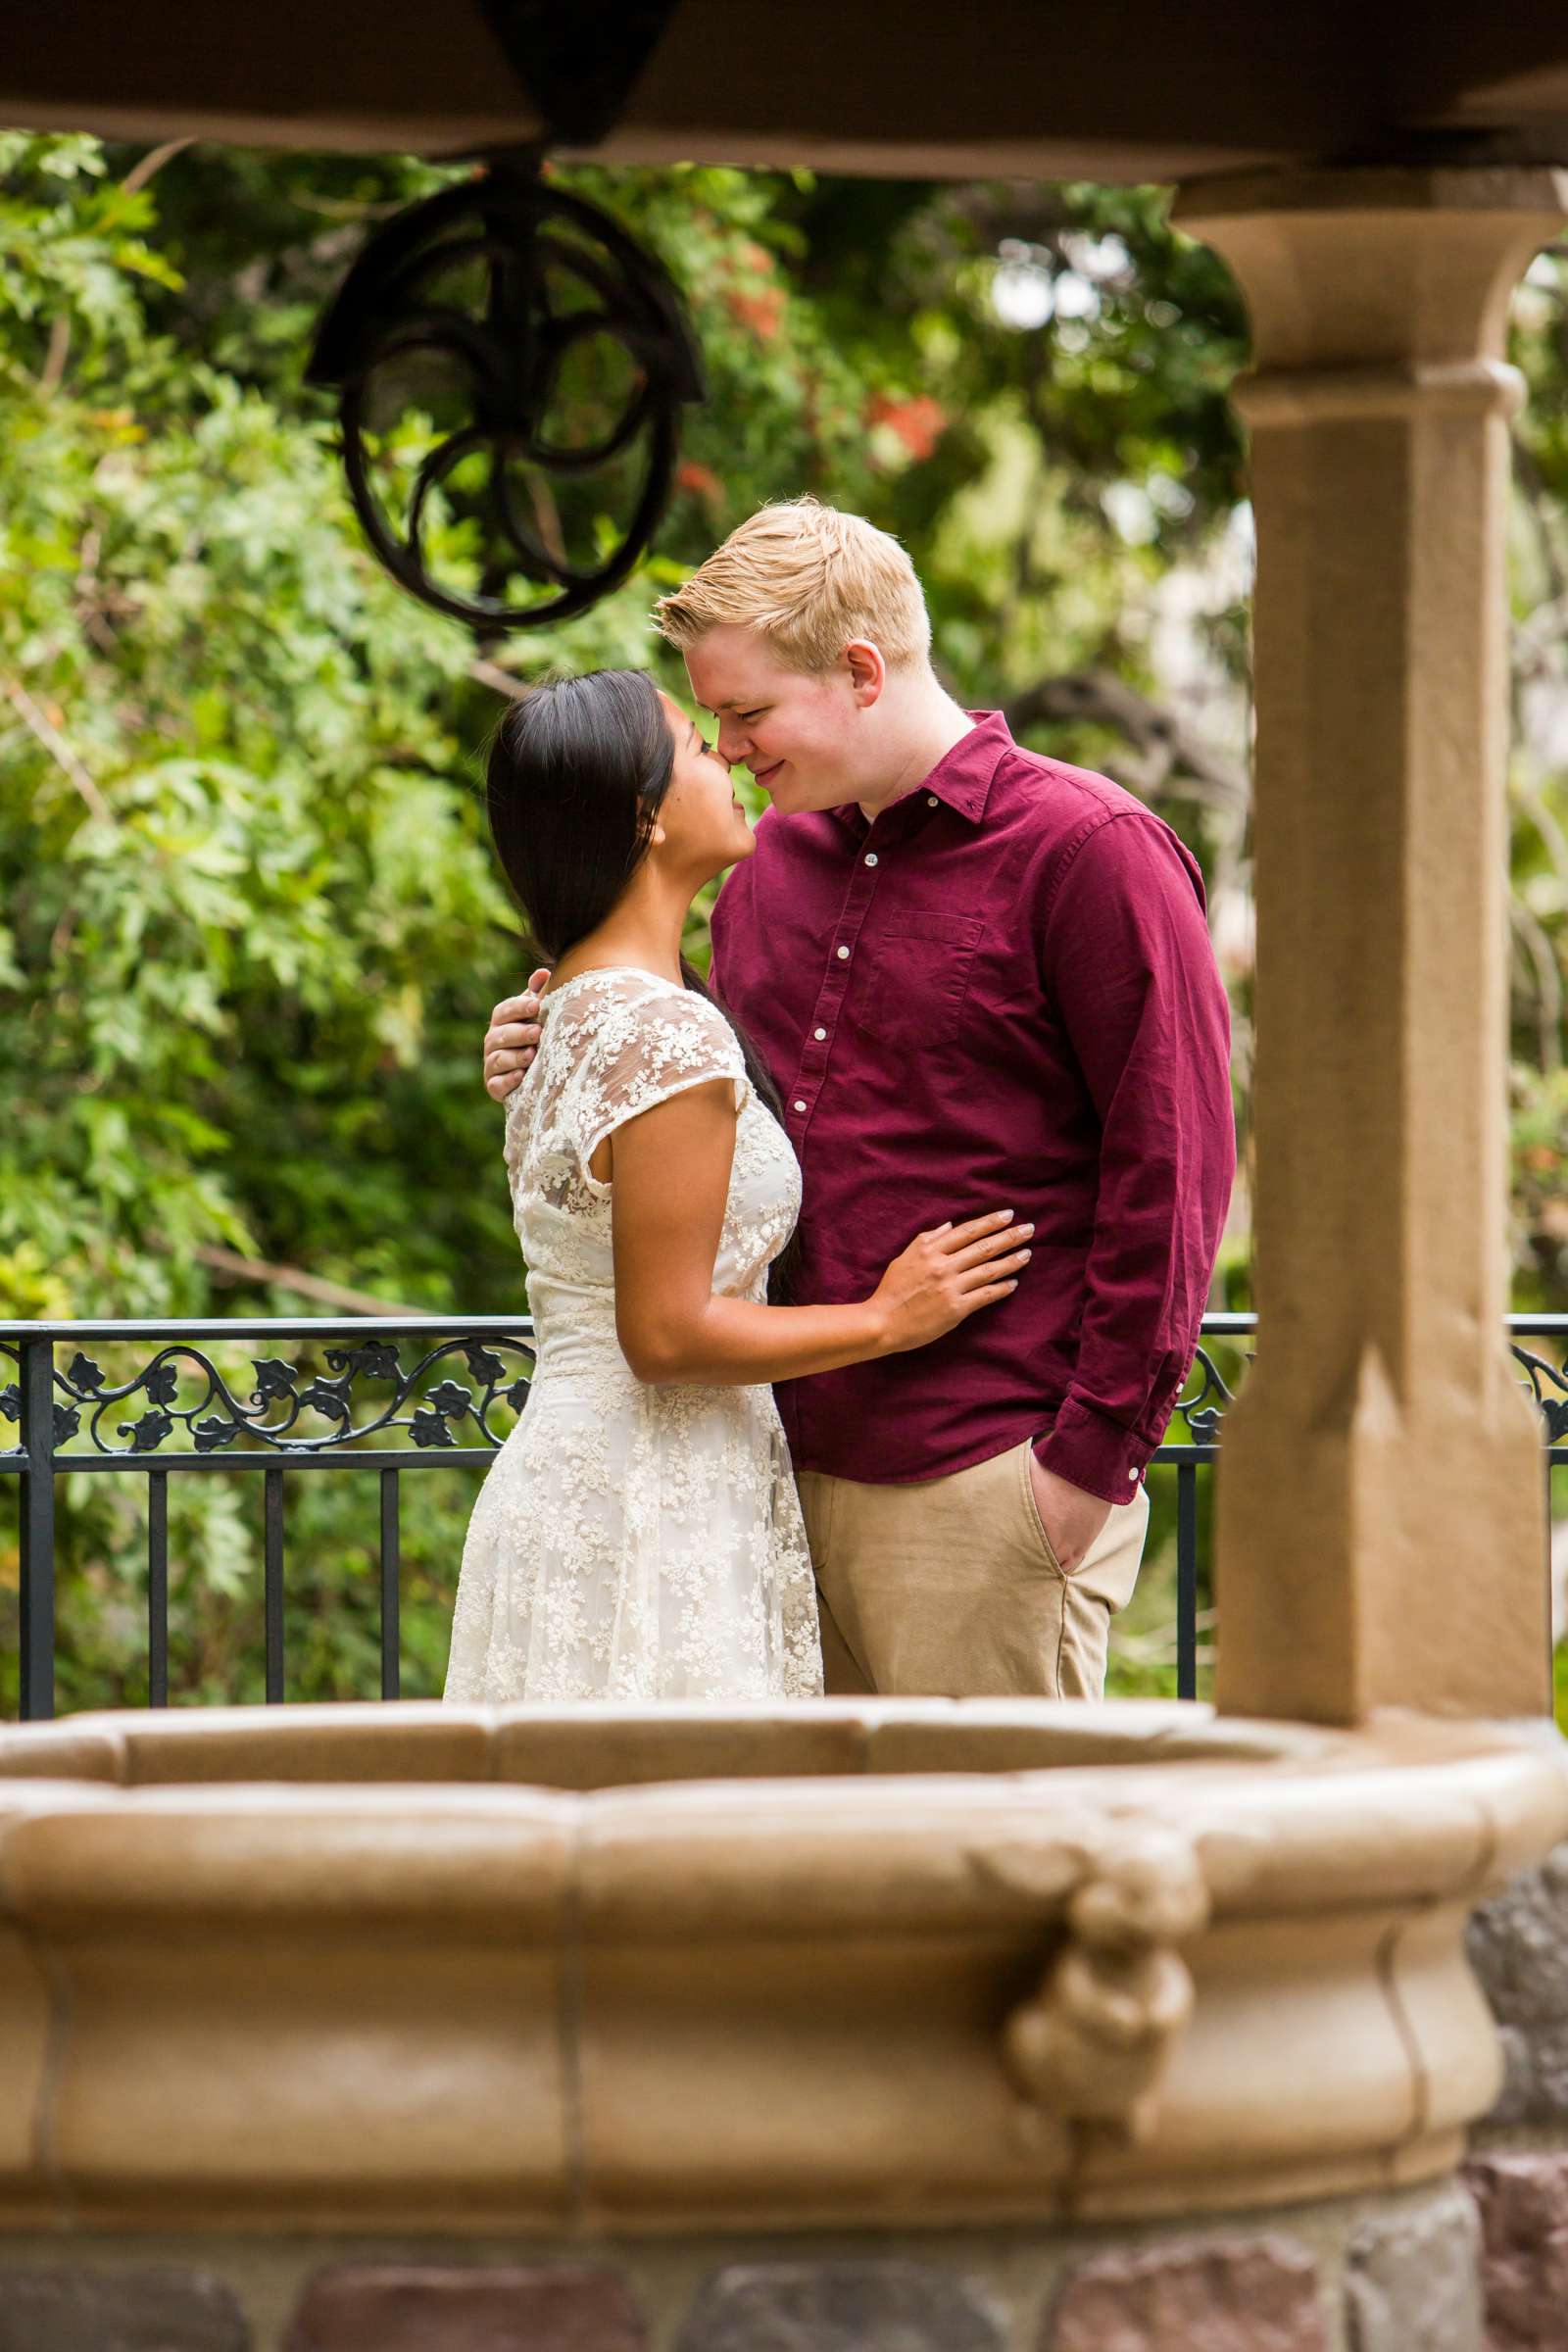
908,983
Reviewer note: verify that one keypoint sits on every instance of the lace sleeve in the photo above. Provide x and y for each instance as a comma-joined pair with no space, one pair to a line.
641,1054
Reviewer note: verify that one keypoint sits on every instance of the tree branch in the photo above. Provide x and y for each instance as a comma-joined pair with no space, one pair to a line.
53,372
1535,496
502,681
153,162
59,750
1537,944
1159,739
1550,834
229,1264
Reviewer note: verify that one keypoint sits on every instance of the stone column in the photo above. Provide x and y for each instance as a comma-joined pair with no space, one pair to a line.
1381,1506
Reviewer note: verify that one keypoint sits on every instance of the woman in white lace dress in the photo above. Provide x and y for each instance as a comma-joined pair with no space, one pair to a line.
638,1535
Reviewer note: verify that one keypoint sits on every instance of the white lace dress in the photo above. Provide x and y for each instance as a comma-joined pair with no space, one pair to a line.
633,1541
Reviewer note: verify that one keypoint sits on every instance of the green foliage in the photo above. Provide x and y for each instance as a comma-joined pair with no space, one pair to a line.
254,925
249,927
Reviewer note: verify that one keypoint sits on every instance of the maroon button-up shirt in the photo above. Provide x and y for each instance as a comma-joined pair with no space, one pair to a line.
1001,994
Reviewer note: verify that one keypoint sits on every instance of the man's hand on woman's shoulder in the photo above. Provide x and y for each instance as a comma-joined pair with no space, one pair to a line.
513,1038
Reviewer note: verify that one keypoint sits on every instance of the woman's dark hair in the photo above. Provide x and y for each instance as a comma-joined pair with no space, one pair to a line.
576,775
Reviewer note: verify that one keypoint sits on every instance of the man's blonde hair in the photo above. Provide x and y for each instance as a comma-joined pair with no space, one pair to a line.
809,579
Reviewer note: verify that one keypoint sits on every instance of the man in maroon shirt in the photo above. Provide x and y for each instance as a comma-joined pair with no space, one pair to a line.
978,977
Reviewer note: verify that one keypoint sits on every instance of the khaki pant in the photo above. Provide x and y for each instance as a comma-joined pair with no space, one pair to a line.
951,1588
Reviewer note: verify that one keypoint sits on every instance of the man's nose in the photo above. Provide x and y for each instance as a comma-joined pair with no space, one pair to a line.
733,742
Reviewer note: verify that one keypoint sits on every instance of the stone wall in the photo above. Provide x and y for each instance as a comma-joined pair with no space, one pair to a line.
1409,2272
1518,2173
1394,2273
1518,1946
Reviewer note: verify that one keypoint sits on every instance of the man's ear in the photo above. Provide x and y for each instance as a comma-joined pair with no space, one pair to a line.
868,671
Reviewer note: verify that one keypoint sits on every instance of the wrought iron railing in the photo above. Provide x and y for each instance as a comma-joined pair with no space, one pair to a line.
390,1399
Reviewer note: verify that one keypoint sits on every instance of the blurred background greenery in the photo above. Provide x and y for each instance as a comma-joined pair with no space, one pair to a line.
250,930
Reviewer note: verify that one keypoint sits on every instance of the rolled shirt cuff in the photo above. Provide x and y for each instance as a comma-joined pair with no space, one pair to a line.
1091,1452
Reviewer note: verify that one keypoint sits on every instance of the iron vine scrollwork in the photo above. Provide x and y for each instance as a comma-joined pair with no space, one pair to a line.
216,1416
1205,1409
1540,1377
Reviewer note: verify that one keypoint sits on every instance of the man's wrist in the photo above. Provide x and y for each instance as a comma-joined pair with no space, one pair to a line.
1093,1452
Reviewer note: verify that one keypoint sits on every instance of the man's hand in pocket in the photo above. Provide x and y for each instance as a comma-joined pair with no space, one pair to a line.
513,1039
1070,1518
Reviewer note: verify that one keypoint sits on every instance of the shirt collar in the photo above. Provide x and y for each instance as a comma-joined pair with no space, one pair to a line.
963,777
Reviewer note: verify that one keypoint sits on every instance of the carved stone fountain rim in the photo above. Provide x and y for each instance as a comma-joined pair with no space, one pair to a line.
856,1989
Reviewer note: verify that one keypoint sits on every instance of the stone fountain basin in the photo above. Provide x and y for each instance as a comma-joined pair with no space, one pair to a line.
863,1964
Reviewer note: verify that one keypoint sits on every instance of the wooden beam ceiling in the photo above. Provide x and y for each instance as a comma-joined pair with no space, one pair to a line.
1134,89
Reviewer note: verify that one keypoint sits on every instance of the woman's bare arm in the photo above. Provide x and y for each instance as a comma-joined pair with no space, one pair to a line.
671,1168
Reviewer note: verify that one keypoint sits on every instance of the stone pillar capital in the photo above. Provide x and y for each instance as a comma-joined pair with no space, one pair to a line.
1345,267
1298,396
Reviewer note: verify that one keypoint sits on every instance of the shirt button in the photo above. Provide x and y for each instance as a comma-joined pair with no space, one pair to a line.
844,954
801,1106
931,799
819,1034
871,857
1132,1474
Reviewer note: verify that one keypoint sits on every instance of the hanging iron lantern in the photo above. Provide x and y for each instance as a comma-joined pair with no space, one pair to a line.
511,365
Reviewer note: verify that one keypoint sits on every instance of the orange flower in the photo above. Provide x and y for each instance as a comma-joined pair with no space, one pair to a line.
701,480
762,311
920,424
